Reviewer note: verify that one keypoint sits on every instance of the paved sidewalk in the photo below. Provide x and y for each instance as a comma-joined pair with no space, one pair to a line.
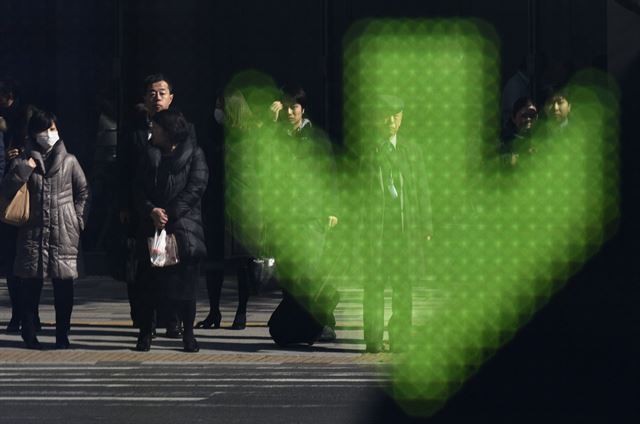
101,331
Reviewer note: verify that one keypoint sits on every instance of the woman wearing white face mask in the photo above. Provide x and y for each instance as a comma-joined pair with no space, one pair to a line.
48,244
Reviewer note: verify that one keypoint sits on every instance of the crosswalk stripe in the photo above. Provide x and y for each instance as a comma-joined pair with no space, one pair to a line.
101,398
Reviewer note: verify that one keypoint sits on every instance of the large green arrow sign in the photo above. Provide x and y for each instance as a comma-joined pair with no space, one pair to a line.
481,242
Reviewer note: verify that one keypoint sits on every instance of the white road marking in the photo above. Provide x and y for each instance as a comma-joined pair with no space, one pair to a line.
197,380
19,368
101,398
266,386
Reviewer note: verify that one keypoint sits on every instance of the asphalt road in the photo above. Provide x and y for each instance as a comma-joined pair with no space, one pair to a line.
188,393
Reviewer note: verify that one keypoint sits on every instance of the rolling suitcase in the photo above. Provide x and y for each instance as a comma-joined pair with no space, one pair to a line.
301,319
292,323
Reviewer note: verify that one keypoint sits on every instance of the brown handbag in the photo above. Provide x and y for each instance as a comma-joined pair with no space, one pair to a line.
16,211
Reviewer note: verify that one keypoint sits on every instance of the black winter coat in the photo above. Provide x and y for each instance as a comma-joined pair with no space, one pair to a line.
175,183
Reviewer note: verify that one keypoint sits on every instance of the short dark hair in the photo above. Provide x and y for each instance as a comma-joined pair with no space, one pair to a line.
41,121
294,94
173,123
153,78
556,91
9,88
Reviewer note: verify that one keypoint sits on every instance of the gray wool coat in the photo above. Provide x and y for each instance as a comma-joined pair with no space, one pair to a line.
48,244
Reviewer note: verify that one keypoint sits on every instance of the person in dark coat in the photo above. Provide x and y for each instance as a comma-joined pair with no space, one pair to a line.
312,216
15,116
170,183
158,96
236,124
49,243
396,213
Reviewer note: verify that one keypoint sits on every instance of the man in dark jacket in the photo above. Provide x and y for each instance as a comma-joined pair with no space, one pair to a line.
310,199
396,212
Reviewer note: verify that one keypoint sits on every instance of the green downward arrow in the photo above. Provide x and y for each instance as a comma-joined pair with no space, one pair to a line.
484,241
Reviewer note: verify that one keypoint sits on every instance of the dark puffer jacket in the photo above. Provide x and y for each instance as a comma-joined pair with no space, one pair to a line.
175,183
48,244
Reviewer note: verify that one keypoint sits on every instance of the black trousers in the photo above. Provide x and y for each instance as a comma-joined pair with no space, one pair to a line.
164,314
389,266
373,310
62,301
171,291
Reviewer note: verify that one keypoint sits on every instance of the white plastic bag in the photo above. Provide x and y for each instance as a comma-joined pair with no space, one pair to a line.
163,249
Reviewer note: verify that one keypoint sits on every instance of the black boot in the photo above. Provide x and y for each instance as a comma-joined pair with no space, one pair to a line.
62,342
174,331
63,302
190,344
240,321
30,300
212,320
214,288
32,343
144,343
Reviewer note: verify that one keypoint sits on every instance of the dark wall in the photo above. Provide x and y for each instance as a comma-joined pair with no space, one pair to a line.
66,51
62,53
26,36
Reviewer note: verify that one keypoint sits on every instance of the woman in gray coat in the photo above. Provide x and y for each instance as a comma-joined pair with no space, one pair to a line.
48,244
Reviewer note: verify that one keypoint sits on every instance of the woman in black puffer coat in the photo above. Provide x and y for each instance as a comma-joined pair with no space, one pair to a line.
170,182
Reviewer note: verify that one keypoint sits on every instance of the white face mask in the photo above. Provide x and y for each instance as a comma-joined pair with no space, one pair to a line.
47,139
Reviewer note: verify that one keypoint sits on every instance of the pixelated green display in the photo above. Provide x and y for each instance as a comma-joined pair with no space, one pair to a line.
483,243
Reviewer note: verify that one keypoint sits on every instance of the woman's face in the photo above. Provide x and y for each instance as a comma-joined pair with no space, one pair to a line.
46,133
47,138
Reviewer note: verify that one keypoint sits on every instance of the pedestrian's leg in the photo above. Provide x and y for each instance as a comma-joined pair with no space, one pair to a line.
373,314
31,289
400,321
187,312
215,279
167,312
240,320
63,302
328,299
146,308
133,305
15,296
